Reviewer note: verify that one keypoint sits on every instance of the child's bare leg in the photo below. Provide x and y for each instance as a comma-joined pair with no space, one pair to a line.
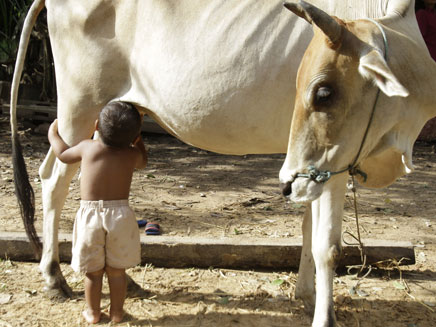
117,286
93,284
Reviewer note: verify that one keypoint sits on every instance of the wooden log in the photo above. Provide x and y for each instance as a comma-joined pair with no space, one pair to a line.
236,253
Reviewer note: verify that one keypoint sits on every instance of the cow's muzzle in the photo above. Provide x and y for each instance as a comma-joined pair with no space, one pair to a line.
286,188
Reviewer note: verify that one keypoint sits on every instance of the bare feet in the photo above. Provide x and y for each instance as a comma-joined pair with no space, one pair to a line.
91,317
116,316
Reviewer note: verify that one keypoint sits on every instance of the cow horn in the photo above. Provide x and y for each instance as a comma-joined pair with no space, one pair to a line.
312,14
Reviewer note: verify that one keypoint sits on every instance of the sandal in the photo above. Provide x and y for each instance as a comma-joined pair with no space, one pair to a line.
141,222
152,228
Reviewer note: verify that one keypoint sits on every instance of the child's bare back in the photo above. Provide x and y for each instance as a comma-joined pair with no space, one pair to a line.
106,169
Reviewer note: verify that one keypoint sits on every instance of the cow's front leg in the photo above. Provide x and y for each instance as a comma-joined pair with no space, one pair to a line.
305,288
326,246
55,180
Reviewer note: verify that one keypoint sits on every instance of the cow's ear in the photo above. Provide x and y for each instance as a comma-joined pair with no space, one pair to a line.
374,67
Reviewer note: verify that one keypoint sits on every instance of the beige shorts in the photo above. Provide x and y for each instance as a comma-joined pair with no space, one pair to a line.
105,233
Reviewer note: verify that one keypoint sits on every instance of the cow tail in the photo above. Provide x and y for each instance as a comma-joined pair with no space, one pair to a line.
23,188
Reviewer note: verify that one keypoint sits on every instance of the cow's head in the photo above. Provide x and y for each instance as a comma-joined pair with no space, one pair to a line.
339,77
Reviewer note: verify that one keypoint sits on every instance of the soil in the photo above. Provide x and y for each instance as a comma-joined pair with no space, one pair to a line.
192,193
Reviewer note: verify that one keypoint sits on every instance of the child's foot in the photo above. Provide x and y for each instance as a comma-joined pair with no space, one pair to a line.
117,316
91,317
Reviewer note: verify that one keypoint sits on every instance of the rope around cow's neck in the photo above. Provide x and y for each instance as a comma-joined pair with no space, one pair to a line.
319,176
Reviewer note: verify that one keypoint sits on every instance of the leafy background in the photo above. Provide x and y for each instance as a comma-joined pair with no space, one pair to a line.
39,69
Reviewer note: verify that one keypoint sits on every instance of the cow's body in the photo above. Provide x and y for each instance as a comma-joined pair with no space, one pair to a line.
219,75
200,68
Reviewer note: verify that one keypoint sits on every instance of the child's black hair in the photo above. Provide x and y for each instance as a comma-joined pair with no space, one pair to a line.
119,123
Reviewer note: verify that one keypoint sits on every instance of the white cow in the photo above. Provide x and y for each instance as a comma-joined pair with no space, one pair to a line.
219,75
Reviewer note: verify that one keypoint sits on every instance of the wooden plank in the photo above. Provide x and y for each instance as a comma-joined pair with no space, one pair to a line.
237,253
34,111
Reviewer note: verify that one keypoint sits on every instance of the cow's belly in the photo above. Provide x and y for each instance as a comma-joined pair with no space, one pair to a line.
242,132
251,118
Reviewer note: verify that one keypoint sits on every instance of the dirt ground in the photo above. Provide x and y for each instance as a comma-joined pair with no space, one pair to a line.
192,193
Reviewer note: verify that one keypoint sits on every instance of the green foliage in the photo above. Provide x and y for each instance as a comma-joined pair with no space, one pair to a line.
12,14
38,67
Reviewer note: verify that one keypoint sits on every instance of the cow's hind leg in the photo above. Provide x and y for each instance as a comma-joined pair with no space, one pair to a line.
55,179
305,288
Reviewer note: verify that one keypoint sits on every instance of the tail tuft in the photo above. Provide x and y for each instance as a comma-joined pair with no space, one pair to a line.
25,196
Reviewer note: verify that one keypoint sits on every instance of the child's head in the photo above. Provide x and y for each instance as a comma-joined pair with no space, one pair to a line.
119,123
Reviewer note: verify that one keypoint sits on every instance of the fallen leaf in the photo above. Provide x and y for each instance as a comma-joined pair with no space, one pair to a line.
5,298
399,285
277,282
223,300
361,293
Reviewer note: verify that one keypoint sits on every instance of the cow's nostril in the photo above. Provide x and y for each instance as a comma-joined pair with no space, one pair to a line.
286,188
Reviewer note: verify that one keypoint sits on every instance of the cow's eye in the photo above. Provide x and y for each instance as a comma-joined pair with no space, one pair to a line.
323,95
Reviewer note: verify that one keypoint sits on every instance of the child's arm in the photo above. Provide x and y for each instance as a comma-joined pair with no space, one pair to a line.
63,152
139,144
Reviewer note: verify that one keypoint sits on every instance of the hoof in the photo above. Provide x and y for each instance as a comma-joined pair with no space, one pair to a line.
308,302
134,290
55,294
309,308
58,292
56,287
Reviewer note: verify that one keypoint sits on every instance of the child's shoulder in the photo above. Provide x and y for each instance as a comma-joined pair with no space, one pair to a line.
89,147
88,143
